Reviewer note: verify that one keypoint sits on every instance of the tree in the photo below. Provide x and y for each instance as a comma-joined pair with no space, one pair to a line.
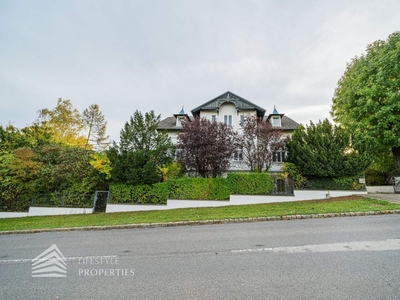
367,97
207,147
96,126
66,123
258,141
325,150
141,152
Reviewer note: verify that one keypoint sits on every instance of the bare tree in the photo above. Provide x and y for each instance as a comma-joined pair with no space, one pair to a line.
207,147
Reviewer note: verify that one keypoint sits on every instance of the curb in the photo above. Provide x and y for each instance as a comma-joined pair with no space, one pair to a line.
206,222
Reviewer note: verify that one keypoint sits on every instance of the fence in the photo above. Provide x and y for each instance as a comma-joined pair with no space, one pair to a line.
282,186
68,200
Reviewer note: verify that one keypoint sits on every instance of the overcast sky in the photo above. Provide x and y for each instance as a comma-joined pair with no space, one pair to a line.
162,55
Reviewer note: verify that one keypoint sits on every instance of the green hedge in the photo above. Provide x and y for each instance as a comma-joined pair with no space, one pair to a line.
345,183
250,183
189,188
199,188
140,194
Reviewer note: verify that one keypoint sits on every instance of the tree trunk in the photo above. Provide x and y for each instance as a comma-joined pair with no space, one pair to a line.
396,157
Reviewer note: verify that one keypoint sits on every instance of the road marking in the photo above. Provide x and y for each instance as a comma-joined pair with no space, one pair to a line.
72,258
385,245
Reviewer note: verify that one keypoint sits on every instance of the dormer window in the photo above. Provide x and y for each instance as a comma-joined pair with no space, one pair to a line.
179,121
276,121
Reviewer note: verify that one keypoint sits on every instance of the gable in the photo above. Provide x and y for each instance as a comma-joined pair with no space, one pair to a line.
240,103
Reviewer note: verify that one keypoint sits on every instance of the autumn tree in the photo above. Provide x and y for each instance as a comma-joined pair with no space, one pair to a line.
66,123
207,147
96,126
326,150
141,152
259,141
367,98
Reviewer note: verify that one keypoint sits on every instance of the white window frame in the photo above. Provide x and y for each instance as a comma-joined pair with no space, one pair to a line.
228,120
276,122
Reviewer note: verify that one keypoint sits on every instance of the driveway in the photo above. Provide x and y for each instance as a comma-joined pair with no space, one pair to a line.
388,197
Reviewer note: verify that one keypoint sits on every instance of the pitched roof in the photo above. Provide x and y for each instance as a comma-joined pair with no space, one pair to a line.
229,97
169,123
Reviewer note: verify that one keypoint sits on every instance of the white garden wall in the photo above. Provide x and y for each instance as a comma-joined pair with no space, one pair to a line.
299,195
51,211
6,214
385,189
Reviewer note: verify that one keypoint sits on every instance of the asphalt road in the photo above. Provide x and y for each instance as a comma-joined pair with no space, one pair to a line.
338,258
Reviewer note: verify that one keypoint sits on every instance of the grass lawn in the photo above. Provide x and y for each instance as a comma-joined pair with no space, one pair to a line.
334,205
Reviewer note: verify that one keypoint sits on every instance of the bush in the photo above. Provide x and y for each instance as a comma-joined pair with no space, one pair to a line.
375,177
199,188
139,194
193,189
250,183
345,183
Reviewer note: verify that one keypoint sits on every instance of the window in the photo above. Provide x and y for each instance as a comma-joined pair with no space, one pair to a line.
276,122
238,155
213,118
179,122
178,154
228,120
278,156
241,120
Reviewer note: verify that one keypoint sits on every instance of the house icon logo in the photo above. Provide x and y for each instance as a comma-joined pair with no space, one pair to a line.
50,263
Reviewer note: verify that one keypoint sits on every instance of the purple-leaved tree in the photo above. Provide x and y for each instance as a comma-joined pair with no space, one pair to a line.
207,147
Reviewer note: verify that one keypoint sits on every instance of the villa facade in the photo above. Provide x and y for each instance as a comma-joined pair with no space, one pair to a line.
231,109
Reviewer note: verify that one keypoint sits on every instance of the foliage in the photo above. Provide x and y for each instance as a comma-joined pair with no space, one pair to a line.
141,152
193,188
197,188
367,98
171,170
344,183
96,126
250,183
139,194
290,170
101,163
325,150
207,147
66,123
258,141
34,136
18,173
375,177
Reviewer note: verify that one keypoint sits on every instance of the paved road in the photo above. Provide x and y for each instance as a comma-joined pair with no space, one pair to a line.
338,258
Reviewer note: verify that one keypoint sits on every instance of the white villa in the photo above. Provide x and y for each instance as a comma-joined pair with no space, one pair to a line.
231,109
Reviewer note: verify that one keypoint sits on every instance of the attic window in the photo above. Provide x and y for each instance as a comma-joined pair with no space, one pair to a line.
179,121
276,121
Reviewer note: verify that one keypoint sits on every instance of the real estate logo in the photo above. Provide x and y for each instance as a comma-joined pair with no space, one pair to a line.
50,263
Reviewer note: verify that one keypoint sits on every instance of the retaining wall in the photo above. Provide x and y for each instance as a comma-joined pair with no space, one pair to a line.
299,195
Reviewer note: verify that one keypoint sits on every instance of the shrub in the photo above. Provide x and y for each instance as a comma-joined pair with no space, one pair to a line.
250,183
140,194
344,183
200,188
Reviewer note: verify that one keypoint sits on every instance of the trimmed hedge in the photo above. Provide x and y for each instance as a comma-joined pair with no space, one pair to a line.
250,183
345,183
157,193
200,188
189,188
